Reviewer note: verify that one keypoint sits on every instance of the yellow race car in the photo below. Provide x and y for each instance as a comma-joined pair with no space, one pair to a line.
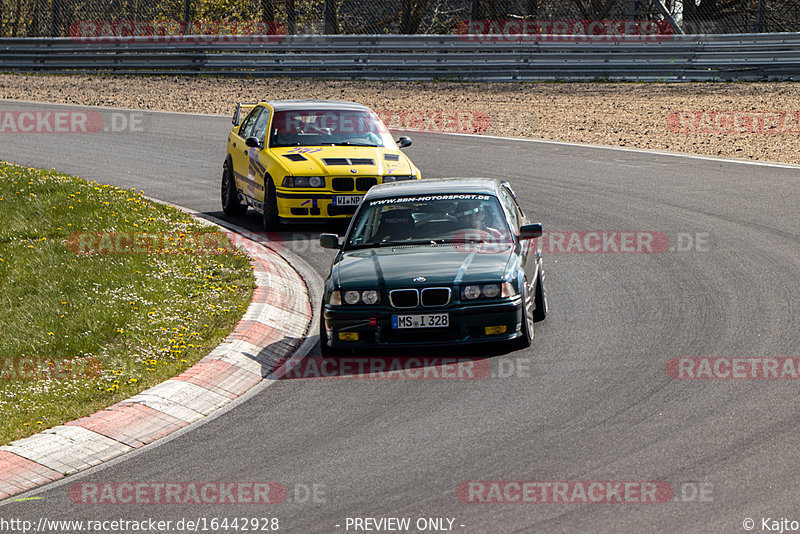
308,160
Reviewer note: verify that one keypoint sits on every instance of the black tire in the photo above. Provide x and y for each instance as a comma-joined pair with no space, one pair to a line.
540,297
526,330
230,197
269,218
324,349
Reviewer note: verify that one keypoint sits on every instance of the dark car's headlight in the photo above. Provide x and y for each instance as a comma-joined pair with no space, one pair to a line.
303,181
398,178
488,291
351,297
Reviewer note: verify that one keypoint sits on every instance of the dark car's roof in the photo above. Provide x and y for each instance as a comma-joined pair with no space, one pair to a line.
436,186
284,105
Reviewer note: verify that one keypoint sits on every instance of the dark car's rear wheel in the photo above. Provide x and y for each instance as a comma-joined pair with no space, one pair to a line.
526,329
540,297
270,214
230,197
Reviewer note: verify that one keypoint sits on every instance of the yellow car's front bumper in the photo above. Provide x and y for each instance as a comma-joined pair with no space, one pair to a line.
315,204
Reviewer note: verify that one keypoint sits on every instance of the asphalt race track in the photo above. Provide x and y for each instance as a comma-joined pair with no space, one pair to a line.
591,399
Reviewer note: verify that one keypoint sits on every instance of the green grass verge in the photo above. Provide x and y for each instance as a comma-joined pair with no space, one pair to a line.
143,317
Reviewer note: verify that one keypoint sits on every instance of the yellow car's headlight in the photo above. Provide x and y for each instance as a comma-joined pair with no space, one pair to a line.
303,181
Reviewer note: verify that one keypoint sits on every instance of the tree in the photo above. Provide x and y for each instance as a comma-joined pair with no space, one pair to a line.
489,9
412,16
268,10
331,17
291,17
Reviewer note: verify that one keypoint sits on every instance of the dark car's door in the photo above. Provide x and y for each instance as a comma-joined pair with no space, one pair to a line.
516,218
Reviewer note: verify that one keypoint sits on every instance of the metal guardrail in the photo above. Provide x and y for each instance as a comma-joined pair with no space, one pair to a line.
678,57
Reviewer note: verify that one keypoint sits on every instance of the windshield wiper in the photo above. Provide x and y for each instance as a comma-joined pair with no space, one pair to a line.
378,244
351,143
459,240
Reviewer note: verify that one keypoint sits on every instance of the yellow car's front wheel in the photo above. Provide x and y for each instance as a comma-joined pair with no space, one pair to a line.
270,207
230,198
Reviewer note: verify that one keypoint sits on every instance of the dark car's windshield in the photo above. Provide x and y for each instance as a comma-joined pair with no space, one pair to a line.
434,219
320,127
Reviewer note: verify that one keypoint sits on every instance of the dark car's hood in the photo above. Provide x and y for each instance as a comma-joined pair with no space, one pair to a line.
441,265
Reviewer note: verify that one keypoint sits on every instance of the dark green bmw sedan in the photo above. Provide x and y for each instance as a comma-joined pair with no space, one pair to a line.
434,262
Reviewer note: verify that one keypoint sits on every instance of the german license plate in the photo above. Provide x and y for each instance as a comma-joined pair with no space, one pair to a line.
428,320
347,200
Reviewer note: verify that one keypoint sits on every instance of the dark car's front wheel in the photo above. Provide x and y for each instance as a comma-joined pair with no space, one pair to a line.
540,298
526,329
326,350
230,198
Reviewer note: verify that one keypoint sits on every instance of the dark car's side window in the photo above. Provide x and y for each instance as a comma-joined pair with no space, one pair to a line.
248,125
511,208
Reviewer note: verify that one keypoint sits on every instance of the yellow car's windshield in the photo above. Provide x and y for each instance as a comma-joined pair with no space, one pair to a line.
319,127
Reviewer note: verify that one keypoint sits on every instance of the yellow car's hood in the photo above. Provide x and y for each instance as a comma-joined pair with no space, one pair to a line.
342,161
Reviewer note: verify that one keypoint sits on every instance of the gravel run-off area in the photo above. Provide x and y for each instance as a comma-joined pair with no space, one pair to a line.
756,121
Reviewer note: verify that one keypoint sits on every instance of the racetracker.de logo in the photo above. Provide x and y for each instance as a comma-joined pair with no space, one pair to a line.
564,492
604,242
732,368
385,368
458,121
69,121
48,368
177,493
734,122
573,31
205,243
177,32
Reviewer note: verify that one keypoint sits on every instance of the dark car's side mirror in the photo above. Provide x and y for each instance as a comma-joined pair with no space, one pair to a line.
530,231
253,142
403,142
329,241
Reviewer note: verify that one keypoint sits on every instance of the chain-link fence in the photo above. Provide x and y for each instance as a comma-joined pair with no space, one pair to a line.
41,18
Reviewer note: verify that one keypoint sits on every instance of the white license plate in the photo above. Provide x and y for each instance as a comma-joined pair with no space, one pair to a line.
428,320
347,200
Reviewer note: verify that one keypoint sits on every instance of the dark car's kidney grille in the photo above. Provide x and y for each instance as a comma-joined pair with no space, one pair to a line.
335,161
363,184
435,296
404,298
342,184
